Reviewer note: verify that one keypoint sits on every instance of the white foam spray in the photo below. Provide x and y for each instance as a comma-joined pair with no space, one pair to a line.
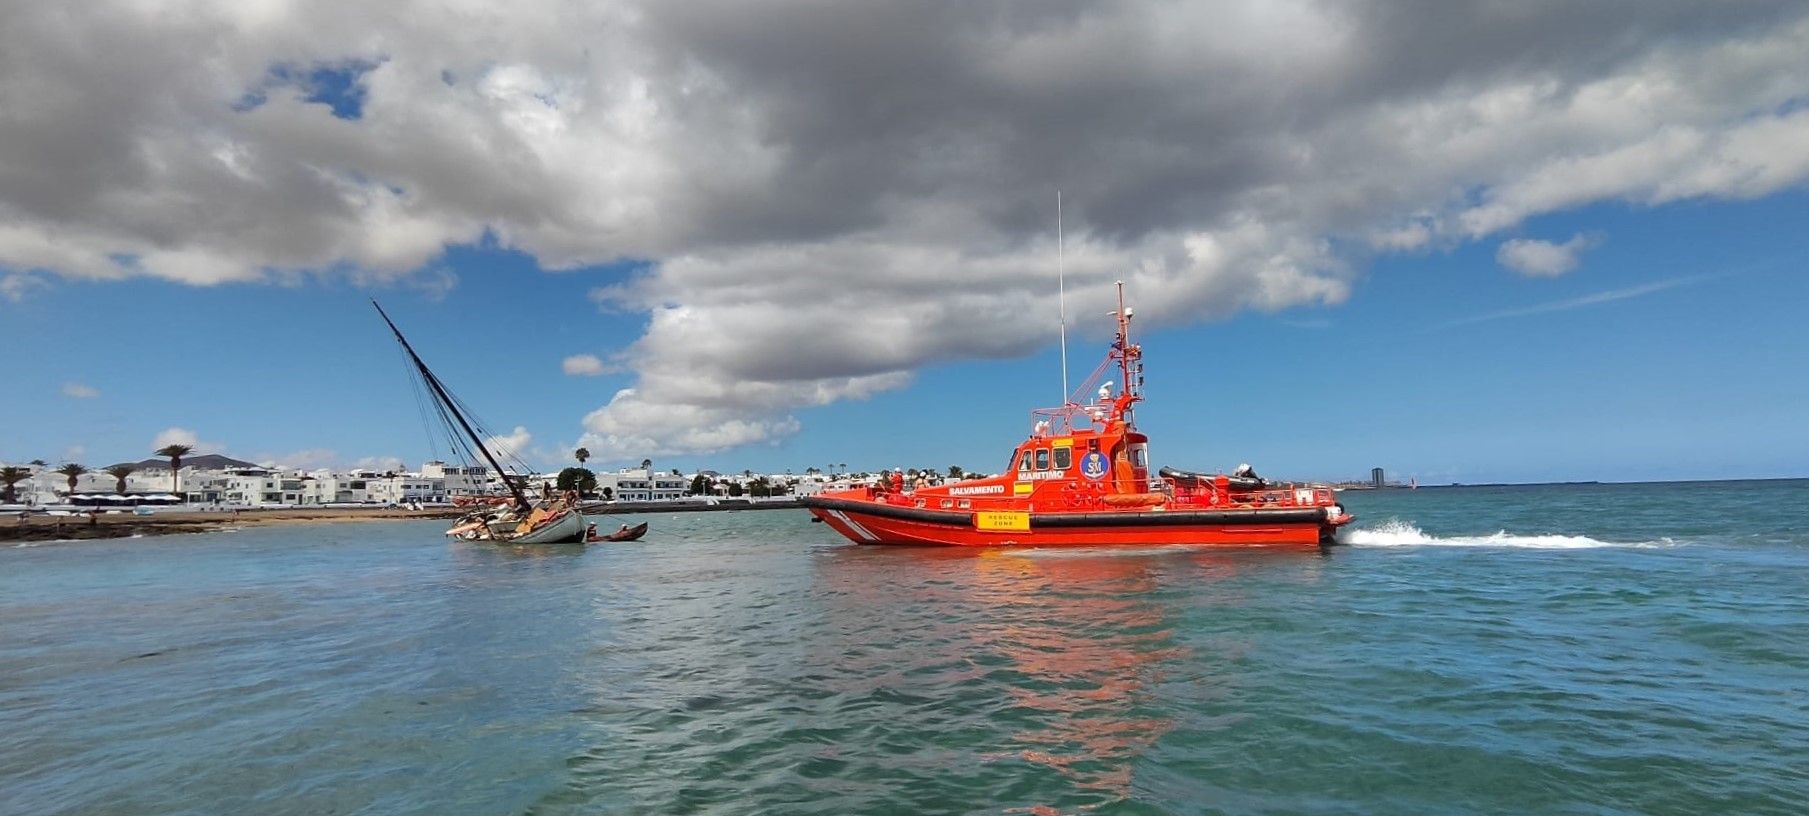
1397,533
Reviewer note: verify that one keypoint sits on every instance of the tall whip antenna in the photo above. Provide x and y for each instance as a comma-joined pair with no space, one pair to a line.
1061,299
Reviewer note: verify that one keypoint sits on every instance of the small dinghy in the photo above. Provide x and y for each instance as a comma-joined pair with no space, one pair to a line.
627,533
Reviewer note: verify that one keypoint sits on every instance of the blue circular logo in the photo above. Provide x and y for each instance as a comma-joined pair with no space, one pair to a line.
1093,466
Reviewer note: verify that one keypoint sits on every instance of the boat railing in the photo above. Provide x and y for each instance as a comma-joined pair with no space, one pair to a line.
1271,494
1069,418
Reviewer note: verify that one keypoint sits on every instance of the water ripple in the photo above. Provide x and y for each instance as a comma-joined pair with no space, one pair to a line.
748,663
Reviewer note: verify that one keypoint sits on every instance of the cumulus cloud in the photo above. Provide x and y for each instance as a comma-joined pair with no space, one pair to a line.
1543,259
584,365
510,445
184,436
825,198
79,391
381,464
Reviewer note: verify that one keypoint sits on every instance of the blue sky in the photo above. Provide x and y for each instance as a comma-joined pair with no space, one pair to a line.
1562,243
1443,366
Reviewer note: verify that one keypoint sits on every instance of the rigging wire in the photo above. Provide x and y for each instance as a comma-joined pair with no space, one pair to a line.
416,388
504,453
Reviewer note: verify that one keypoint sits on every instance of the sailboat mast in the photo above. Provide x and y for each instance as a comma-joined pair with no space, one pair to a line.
439,393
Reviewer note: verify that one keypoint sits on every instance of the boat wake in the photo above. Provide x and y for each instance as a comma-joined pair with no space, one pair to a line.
1397,533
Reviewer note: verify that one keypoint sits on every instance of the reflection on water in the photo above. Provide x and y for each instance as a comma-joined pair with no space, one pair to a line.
1058,651
1087,642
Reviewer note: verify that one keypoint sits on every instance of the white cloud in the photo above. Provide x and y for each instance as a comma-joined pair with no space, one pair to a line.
828,198
381,464
1543,259
433,284
184,436
15,287
584,365
80,391
512,444
1596,299
306,459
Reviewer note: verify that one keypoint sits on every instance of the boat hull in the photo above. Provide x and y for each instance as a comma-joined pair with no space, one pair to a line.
567,528
866,522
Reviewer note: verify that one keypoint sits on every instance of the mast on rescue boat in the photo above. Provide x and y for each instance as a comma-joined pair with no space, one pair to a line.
1130,360
1061,291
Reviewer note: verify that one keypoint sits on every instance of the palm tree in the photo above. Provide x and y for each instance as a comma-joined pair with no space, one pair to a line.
10,476
40,463
120,472
71,471
647,465
175,453
581,454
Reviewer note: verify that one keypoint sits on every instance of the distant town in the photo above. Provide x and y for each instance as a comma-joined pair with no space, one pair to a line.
215,480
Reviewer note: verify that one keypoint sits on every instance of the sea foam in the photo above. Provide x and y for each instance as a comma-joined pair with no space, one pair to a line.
1397,533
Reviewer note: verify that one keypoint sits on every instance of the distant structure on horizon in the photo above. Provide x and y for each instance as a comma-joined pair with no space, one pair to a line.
1375,477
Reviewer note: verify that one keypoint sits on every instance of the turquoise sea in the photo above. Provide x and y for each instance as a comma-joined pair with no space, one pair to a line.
1591,649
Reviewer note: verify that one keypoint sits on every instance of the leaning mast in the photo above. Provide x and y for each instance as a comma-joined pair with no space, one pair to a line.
439,393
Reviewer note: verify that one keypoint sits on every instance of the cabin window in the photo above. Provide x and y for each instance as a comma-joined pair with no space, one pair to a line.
1024,463
1064,458
1139,459
1042,458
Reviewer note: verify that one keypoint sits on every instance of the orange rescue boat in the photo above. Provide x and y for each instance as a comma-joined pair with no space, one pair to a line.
1082,478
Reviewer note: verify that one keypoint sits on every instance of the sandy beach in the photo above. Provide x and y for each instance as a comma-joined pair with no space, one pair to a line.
119,525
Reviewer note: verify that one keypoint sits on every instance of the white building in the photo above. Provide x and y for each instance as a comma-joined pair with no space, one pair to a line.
808,485
407,488
244,487
639,485
464,480
360,486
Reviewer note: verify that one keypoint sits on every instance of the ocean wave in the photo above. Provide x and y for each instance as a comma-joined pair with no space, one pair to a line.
1397,533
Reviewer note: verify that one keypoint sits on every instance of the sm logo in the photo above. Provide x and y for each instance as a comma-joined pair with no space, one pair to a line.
1093,465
